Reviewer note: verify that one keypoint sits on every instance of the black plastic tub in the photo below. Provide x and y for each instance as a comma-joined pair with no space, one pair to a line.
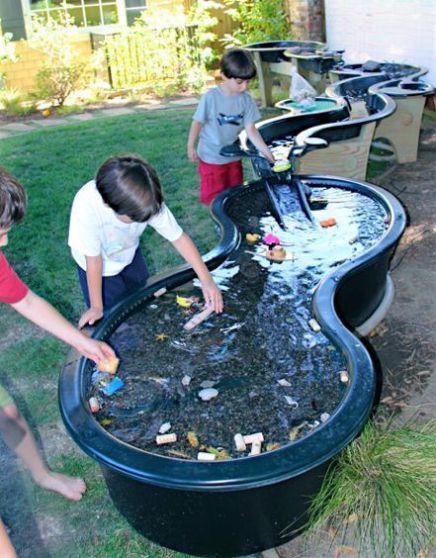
273,51
241,506
325,105
389,70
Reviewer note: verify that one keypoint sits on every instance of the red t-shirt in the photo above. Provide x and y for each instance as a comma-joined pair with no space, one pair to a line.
12,289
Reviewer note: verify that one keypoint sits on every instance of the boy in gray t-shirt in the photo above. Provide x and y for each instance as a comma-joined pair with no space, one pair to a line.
223,112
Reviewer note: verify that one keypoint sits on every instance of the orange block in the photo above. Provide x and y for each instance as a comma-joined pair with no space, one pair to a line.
328,222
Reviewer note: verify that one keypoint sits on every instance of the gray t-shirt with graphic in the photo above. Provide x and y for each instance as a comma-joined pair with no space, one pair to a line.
222,118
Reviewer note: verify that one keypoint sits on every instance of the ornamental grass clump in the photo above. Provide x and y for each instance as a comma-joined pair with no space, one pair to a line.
380,494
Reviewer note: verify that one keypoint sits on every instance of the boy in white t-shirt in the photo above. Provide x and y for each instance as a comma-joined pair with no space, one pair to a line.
108,216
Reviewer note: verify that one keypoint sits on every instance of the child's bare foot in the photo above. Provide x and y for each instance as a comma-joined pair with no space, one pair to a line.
72,488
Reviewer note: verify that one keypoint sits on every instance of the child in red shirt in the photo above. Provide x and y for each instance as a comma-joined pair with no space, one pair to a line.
13,291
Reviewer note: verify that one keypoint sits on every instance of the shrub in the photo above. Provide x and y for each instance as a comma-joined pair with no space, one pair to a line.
381,492
259,20
7,51
62,71
172,56
15,103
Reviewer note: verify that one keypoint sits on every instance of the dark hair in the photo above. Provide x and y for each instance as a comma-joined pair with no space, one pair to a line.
12,200
237,63
130,186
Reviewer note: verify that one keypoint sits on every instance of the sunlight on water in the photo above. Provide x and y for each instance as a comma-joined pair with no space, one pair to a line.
273,373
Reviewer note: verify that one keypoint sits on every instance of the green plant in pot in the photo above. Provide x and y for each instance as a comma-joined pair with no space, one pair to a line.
380,493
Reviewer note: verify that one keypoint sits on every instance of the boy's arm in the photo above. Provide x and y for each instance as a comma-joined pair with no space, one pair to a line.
192,140
44,315
94,278
187,249
255,137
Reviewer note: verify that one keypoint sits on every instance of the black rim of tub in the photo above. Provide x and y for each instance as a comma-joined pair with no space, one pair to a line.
289,461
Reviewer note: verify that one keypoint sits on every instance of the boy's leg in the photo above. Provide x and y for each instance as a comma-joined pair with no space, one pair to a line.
19,438
6,548
113,288
11,431
136,274
132,277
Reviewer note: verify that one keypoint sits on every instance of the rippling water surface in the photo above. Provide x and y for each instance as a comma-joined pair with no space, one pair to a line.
262,337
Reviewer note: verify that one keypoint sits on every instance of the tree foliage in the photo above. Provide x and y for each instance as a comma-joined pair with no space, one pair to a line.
259,20
62,70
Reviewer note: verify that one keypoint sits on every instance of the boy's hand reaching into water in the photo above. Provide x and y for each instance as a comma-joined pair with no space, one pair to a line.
212,295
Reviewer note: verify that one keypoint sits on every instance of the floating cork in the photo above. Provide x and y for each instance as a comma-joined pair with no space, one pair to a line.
186,380
251,438
94,405
277,254
160,292
328,222
324,417
314,325
344,376
239,442
256,447
108,365
198,318
205,456
166,439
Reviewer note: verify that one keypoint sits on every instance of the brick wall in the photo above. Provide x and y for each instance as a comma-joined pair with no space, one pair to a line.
392,30
307,19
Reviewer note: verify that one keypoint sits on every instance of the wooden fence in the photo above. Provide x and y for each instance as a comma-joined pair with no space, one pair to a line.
154,56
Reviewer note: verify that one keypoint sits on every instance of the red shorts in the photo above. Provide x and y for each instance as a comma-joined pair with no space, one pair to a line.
216,178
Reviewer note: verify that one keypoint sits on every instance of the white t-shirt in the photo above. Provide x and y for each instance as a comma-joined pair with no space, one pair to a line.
96,230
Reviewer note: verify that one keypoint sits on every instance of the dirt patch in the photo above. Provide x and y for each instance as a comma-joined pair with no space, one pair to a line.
406,345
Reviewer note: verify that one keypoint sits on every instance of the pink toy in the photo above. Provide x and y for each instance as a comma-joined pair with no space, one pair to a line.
271,239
